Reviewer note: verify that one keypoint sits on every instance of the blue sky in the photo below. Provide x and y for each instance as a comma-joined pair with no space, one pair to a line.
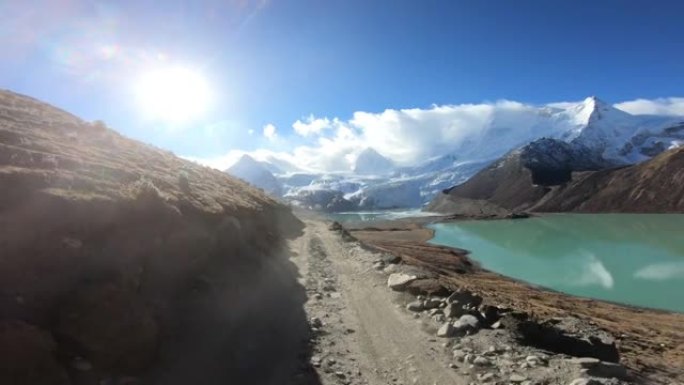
275,62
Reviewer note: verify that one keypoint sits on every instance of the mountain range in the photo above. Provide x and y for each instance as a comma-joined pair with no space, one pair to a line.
554,140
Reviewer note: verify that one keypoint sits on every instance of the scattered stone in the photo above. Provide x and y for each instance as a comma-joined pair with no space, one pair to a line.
481,361
534,360
378,266
335,295
459,355
484,377
431,303
466,324
446,330
496,325
398,281
585,381
516,378
318,296
415,306
316,322
586,362
340,374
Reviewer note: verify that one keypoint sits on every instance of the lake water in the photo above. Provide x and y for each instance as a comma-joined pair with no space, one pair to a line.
635,259
369,216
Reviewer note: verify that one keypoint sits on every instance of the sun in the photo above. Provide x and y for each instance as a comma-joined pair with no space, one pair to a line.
173,94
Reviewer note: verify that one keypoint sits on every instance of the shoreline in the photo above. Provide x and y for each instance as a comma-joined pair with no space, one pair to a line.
650,341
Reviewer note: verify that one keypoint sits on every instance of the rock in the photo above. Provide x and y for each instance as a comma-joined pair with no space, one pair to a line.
431,303
316,322
415,306
481,361
608,369
490,314
586,362
585,381
427,287
496,325
534,360
516,378
484,377
446,330
466,324
453,310
459,355
570,336
398,281
464,297
378,266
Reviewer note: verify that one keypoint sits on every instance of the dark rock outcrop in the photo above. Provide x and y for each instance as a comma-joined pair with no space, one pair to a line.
554,176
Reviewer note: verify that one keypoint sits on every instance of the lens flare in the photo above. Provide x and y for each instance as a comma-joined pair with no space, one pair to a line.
174,95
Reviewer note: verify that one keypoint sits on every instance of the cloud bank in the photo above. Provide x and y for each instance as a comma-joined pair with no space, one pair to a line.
412,136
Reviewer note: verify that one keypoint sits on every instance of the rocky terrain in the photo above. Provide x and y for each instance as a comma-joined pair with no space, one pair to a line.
498,330
523,181
123,264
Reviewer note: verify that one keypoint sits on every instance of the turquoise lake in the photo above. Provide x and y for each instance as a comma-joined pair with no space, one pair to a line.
635,259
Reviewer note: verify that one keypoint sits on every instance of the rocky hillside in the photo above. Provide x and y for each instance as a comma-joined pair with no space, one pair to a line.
549,175
123,264
653,186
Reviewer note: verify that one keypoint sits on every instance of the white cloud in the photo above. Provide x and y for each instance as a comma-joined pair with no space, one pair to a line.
661,106
313,126
270,132
410,136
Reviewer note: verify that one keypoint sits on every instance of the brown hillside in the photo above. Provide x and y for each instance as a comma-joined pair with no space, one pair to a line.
122,263
655,186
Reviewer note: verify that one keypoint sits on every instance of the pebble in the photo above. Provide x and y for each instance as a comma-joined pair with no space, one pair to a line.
485,377
516,378
481,361
459,355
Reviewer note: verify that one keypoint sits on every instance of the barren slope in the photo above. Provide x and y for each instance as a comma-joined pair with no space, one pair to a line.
121,263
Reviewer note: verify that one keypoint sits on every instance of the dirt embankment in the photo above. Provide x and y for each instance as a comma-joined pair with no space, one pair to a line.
123,264
649,342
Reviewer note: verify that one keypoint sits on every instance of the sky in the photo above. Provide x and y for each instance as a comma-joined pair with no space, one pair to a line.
316,81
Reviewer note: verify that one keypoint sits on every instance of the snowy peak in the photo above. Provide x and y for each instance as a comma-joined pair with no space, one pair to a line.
256,173
371,162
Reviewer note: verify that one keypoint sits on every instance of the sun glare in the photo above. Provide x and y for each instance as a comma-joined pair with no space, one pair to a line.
173,95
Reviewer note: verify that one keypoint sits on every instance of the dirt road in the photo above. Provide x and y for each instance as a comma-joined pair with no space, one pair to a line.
365,336
364,333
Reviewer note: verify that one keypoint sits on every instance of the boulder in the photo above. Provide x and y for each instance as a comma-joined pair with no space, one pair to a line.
427,287
465,298
398,281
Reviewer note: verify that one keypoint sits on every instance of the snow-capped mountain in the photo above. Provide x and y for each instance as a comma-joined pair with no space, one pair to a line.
590,134
370,162
258,174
